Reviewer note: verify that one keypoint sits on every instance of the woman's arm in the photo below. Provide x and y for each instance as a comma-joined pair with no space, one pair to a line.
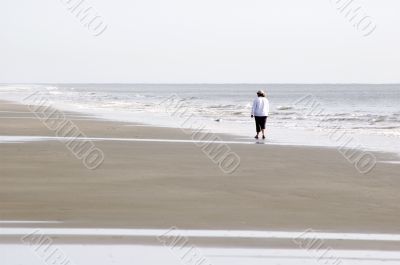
253,109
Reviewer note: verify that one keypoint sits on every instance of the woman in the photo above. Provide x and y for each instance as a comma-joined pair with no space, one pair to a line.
260,112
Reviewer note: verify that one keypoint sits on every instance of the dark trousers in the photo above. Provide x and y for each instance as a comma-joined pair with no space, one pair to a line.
260,122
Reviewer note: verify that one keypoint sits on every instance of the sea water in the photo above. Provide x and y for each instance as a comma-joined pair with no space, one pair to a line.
301,114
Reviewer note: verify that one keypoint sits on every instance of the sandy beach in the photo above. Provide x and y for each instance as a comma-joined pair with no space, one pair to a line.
158,185
199,133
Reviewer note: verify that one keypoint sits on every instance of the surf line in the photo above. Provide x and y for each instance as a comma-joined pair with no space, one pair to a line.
54,138
202,233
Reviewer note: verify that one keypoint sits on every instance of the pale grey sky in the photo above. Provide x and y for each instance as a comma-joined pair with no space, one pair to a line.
186,41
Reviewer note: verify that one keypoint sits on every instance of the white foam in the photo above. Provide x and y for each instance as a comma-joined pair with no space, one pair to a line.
389,162
30,222
204,233
284,107
5,139
33,252
154,255
34,118
20,139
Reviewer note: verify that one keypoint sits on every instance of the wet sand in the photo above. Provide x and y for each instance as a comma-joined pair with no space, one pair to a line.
164,184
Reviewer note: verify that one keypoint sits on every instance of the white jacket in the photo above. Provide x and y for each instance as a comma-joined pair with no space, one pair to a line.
260,107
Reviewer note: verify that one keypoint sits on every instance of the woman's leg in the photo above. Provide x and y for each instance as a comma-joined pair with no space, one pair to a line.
258,127
262,125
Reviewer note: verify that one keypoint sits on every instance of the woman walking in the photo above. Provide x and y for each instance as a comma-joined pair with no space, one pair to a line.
260,112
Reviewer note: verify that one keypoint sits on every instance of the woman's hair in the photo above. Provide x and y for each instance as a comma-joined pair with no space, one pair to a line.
261,93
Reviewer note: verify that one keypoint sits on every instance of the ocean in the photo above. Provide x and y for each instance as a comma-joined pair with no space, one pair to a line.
301,114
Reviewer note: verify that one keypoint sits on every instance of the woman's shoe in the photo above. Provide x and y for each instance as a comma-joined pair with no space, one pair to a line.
256,137
263,136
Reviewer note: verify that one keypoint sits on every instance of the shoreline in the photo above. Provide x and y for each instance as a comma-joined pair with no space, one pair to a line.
368,140
371,156
384,156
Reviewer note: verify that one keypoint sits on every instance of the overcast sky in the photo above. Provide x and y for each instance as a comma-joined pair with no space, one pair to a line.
186,41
